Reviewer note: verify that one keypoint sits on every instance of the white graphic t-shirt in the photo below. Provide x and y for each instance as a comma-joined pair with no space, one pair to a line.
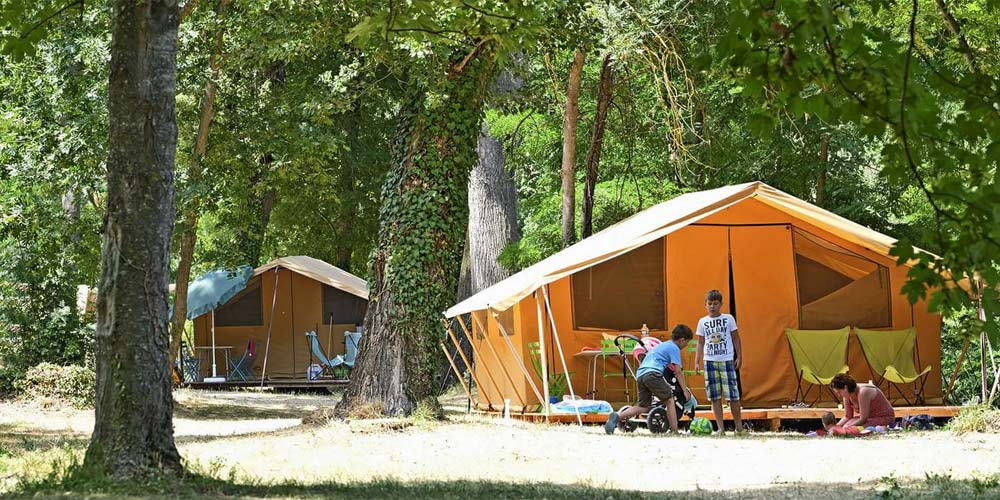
718,333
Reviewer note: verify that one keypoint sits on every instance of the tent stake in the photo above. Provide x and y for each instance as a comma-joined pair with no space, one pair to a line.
541,354
468,392
468,365
517,357
562,355
503,367
270,323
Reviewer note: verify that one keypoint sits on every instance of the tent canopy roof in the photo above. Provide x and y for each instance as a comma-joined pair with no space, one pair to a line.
319,271
657,222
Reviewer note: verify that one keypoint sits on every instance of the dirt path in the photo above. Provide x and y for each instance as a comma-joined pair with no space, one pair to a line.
271,445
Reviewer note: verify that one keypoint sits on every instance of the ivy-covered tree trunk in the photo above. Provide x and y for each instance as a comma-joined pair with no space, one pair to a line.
422,228
133,432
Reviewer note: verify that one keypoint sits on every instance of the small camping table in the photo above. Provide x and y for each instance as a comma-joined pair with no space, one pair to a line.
226,349
591,357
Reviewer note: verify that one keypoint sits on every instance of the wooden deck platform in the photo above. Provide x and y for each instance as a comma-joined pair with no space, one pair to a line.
299,383
773,416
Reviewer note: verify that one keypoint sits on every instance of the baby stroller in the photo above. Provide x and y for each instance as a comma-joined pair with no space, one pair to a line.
656,419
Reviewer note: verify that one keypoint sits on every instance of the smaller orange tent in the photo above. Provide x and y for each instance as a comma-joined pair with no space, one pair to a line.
780,263
291,295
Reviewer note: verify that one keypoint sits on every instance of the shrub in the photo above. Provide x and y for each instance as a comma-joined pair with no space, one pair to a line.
73,384
980,418
9,378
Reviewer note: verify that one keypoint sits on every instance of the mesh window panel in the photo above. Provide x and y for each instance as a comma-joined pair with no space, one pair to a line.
622,293
244,309
346,309
839,288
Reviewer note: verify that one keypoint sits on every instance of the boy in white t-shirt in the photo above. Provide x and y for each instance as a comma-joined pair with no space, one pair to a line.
719,345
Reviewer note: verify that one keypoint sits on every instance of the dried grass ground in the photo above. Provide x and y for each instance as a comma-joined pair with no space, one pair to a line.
257,435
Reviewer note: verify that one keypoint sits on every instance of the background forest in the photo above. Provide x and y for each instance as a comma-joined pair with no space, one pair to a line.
288,113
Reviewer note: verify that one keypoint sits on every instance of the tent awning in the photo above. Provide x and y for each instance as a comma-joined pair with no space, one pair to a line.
657,222
320,271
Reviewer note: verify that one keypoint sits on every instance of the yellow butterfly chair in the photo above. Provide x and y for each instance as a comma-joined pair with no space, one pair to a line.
819,355
890,354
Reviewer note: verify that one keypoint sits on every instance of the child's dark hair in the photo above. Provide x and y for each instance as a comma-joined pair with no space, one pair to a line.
829,419
842,380
682,332
713,295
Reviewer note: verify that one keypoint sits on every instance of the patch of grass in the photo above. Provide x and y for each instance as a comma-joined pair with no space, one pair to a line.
366,411
980,418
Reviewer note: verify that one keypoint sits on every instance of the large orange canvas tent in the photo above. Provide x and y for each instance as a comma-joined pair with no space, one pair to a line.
780,263
291,296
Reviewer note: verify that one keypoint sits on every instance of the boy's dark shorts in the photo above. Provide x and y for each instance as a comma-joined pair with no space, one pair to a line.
653,384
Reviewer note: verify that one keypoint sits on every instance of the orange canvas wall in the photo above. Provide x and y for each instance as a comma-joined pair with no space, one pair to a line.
297,309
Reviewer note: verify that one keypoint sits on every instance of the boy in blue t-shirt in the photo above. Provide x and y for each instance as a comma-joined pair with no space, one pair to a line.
650,380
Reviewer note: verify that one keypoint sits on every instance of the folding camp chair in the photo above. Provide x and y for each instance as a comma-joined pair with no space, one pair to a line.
558,382
317,352
890,354
819,355
242,368
351,342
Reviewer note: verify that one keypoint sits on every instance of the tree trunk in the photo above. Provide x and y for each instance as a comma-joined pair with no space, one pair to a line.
133,431
422,224
189,226
824,161
596,145
492,214
570,118
257,213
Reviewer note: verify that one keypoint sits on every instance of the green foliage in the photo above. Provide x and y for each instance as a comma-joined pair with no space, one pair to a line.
73,384
979,418
955,329
910,82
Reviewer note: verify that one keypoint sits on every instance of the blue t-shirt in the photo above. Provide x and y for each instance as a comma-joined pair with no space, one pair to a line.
658,358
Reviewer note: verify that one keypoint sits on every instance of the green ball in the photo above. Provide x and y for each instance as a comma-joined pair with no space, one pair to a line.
701,426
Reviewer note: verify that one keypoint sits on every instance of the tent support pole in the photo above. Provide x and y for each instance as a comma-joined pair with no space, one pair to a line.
468,392
270,323
520,362
542,354
559,349
958,366
468,365
496,356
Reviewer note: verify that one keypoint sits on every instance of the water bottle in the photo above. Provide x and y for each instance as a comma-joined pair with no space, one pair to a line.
645,331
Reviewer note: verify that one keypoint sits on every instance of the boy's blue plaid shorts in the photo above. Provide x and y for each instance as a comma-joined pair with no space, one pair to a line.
720,380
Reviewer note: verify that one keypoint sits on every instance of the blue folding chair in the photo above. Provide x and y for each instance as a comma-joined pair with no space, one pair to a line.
328,364
242,368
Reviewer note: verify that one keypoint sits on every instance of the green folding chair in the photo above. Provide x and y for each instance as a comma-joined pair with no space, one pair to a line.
819,355
890,354
608,349
558,382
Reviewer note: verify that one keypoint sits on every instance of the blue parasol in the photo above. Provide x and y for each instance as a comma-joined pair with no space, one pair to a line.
215,288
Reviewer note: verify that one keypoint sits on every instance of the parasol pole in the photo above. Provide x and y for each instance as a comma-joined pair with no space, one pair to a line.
270,323
215,377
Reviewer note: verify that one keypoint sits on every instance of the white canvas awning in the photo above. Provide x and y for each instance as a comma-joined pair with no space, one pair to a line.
657,222
320,271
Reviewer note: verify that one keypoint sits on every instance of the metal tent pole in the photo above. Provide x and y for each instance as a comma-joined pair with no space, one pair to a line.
562,355
541,354
270,324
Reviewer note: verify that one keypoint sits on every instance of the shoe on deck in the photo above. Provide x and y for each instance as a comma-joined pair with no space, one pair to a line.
612,423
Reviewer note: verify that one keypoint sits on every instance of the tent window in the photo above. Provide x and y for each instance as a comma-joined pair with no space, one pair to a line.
622,293
245,309
347,309
839,288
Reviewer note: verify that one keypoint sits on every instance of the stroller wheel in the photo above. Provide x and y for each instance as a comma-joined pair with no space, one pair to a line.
657,420
626,425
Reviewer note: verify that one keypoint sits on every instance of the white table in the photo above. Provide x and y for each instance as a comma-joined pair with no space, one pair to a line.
226,349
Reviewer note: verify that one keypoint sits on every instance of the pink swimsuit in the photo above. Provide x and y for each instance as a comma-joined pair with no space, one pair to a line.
880,413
